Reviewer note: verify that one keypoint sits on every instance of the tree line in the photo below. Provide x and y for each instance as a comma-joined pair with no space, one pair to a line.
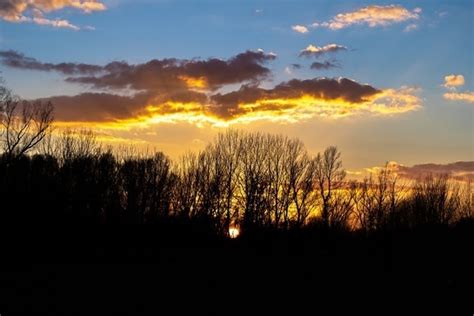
253,181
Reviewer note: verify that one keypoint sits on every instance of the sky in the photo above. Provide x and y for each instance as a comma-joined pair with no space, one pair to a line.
383,81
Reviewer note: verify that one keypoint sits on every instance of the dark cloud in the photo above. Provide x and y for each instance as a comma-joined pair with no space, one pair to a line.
98,106
11,9
154,75
156,82
324,65
15,59
296,66
107,107
227,105
165,86
171,74
326,88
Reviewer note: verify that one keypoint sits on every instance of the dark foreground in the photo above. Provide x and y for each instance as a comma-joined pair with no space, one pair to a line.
133,270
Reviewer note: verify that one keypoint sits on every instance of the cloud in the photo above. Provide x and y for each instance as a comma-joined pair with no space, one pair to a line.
157,75
300,29
98,106
174,90
324,65
452,81
173,74
32,11
15,59
461,170
460,96
410,27
315,51
289,68
288,102
373,15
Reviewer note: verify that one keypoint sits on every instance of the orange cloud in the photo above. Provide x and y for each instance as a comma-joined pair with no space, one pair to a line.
289,102
17,11
373,15
460,96
195,83
452,81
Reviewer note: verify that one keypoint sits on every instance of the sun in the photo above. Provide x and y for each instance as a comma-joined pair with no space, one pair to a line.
234,232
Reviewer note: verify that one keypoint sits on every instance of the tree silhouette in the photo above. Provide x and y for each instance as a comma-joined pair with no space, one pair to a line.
24,123
329,176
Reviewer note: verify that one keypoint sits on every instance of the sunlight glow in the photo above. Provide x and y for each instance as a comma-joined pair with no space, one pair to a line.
234,232
198,83
289,110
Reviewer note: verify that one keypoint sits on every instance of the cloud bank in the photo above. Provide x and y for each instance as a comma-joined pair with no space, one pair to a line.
197,91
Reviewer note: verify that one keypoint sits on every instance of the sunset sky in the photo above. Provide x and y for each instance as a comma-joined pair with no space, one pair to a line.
384,81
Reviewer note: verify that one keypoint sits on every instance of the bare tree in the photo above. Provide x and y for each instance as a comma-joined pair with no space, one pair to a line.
24,124
342,206
377,200
301,179
76,143
254,181
329,177
466,210
435,200
227,152
187,189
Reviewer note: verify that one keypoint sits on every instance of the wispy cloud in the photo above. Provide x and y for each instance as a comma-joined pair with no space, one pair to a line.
29,11
15,59
410,27
373,15
324,65
300,29
460,171
460,96
316,51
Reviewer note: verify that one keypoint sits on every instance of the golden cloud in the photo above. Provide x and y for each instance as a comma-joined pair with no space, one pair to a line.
373,15
250,104
172,90
452,81
17,11
460,96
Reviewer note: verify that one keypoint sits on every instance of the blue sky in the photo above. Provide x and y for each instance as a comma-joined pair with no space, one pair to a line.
383,56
